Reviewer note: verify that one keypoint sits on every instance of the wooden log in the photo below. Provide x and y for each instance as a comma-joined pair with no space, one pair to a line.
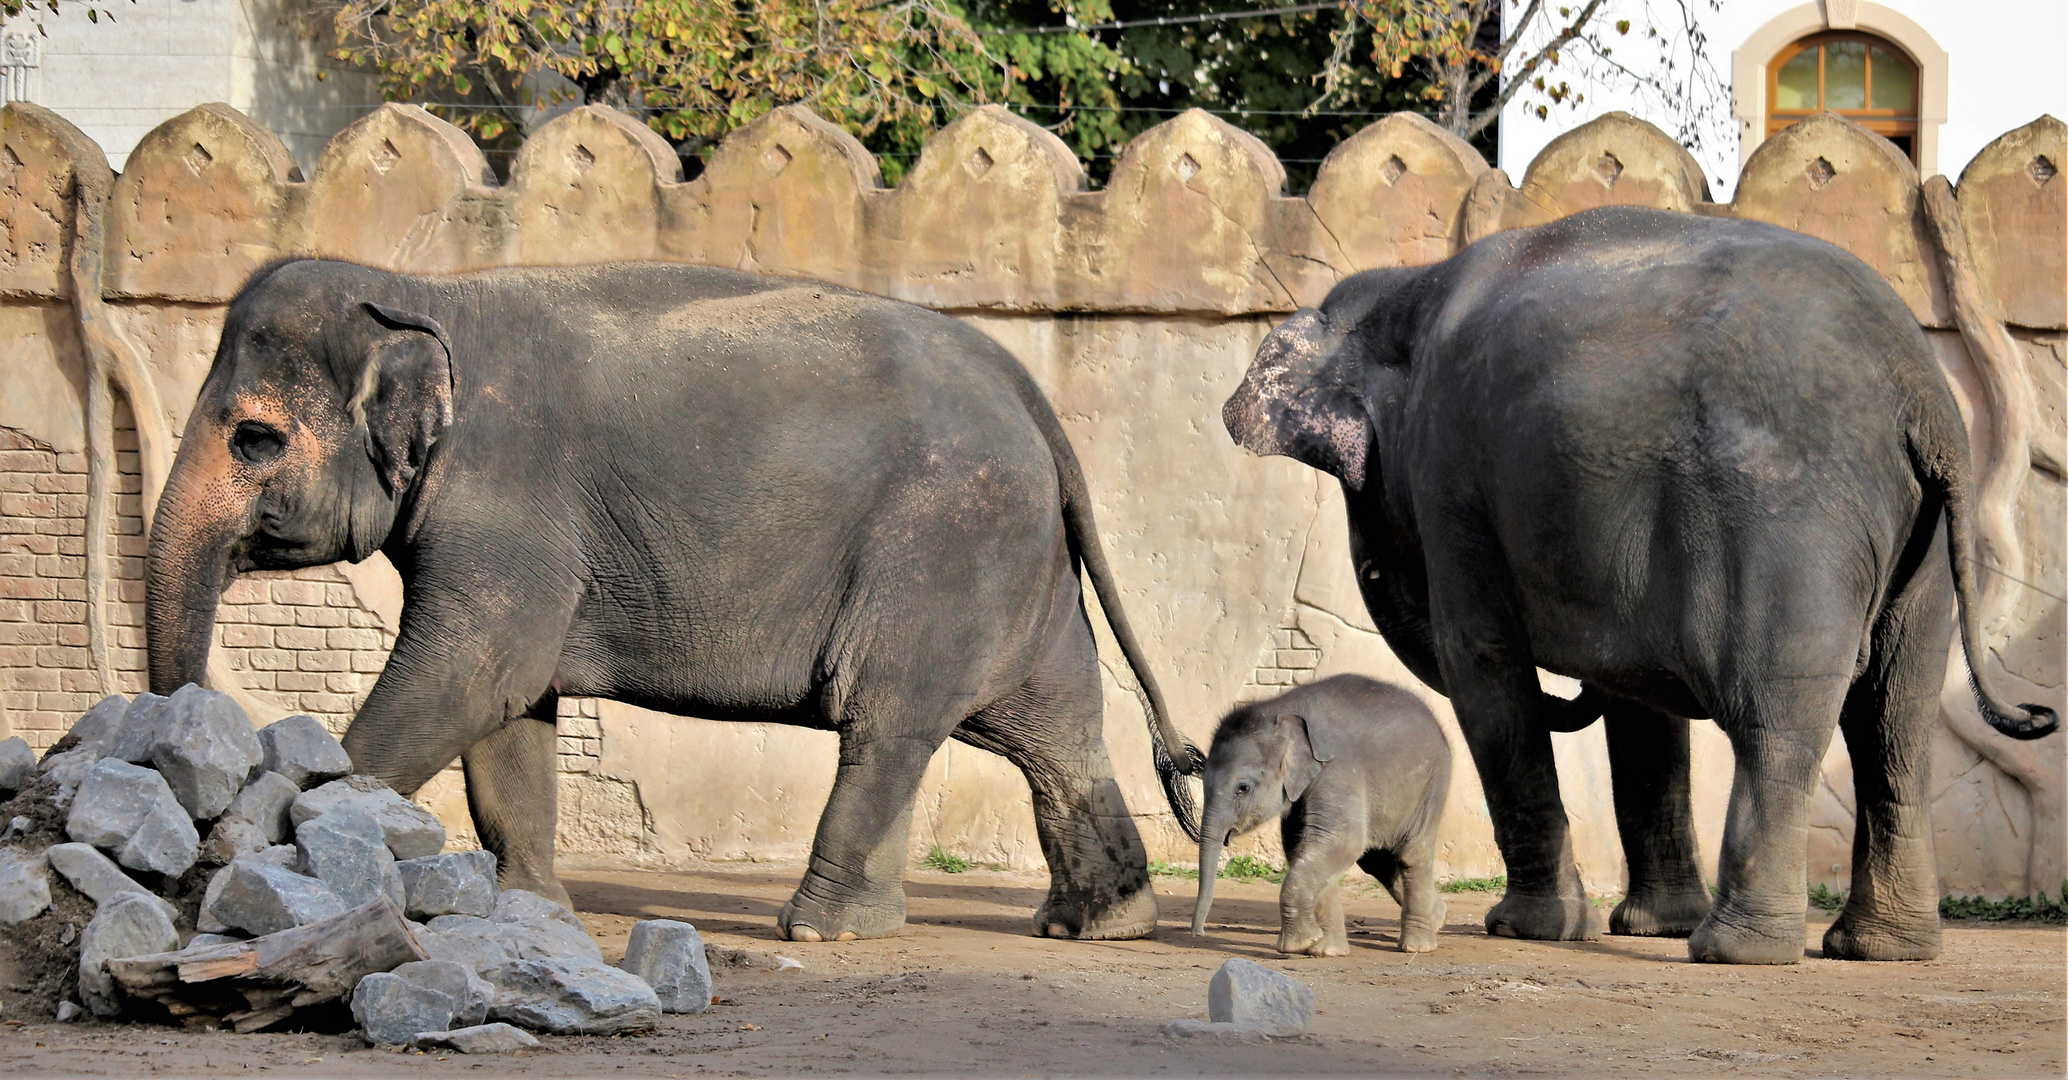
253,984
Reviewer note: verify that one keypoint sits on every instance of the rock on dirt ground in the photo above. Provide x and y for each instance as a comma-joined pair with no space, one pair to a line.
966,991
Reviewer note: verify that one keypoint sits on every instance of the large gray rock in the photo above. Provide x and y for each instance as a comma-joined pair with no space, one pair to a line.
303,750
230,838
572,997
472,942
126,926
69,769
281,856
347,851
17,765
670,957
536,928
205,748
484,1039
92,873
411,830
521,905
1248,994
24,886
165,843
470,993
265,802
97,726
133,812
455,883
391,1009
260,898
131,739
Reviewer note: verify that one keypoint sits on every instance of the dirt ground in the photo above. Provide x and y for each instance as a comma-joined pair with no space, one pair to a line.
966,991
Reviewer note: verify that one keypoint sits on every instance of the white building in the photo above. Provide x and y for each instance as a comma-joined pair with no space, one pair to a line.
1941,78
158,58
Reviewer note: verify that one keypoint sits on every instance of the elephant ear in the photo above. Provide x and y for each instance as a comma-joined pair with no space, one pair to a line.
1297,401
1317,741
404,398
1301,769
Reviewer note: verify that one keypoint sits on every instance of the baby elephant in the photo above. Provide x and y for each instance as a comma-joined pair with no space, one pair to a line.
1359,770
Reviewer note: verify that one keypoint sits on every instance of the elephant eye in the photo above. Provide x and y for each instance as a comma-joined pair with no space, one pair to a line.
255,443
1242,789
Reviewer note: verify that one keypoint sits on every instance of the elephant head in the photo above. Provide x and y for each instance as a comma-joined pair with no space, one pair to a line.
1261,763
329,389
1319,387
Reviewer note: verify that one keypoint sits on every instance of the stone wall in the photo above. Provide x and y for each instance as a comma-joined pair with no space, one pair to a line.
1136,307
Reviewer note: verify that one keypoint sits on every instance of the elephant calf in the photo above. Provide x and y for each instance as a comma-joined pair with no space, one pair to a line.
1358,769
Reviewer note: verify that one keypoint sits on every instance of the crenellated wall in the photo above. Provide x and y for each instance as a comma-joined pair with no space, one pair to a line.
1137,308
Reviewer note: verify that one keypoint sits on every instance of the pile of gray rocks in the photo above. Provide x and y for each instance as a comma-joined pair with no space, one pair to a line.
188,829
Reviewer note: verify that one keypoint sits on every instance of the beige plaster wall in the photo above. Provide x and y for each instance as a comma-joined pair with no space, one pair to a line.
1136,307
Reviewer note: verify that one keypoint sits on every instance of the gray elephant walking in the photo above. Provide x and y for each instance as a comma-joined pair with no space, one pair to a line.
694,490
1709,468
1357,772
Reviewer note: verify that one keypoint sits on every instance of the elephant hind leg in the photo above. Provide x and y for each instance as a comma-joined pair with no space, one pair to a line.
854,886
1889,719
1052,730
1648,755
513,794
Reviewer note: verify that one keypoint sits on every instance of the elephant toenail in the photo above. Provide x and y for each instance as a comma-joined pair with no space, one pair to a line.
845,935
1504,930
1056,929
804,933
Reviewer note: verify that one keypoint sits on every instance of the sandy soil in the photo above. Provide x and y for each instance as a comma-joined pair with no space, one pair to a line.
966,991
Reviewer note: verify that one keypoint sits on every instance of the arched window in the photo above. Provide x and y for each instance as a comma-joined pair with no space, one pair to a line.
1864,78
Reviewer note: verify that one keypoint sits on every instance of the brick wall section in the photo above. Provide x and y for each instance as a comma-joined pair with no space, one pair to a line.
1289,660
581,735
300,640
46,671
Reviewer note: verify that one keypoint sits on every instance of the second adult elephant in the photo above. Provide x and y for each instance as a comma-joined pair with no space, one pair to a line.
1709,468
695,490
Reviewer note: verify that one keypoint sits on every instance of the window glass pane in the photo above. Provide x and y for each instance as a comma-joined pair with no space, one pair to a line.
1895,82
1845,75
1796,88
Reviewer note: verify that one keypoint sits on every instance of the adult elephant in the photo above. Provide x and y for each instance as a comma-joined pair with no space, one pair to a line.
691,489
1708,467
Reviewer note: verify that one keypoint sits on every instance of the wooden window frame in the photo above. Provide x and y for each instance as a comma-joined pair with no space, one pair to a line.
1887,123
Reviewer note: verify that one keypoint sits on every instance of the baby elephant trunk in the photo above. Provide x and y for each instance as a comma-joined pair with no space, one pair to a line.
1209,869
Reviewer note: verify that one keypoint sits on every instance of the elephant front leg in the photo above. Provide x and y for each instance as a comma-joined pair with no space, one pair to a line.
1648,755
1310,902
513,793
854,886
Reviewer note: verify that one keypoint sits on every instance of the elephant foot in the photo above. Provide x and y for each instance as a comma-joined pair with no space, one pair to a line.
809,918
1132,917
1721,939
546,885
1312,940
1418,933
1868,938
1672,913
1545,918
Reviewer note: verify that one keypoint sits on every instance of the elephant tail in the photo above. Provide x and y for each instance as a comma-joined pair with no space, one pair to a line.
1939,459
1175,756
1577,714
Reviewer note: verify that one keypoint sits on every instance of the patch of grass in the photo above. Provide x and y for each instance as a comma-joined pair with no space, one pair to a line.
1830,901
1476,884
1251,868
2017,908
1239,868
940,859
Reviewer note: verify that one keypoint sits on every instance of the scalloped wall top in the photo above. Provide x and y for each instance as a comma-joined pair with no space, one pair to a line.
996,214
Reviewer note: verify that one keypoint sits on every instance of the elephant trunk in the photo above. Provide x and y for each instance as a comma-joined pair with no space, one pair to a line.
1211,836
199,523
